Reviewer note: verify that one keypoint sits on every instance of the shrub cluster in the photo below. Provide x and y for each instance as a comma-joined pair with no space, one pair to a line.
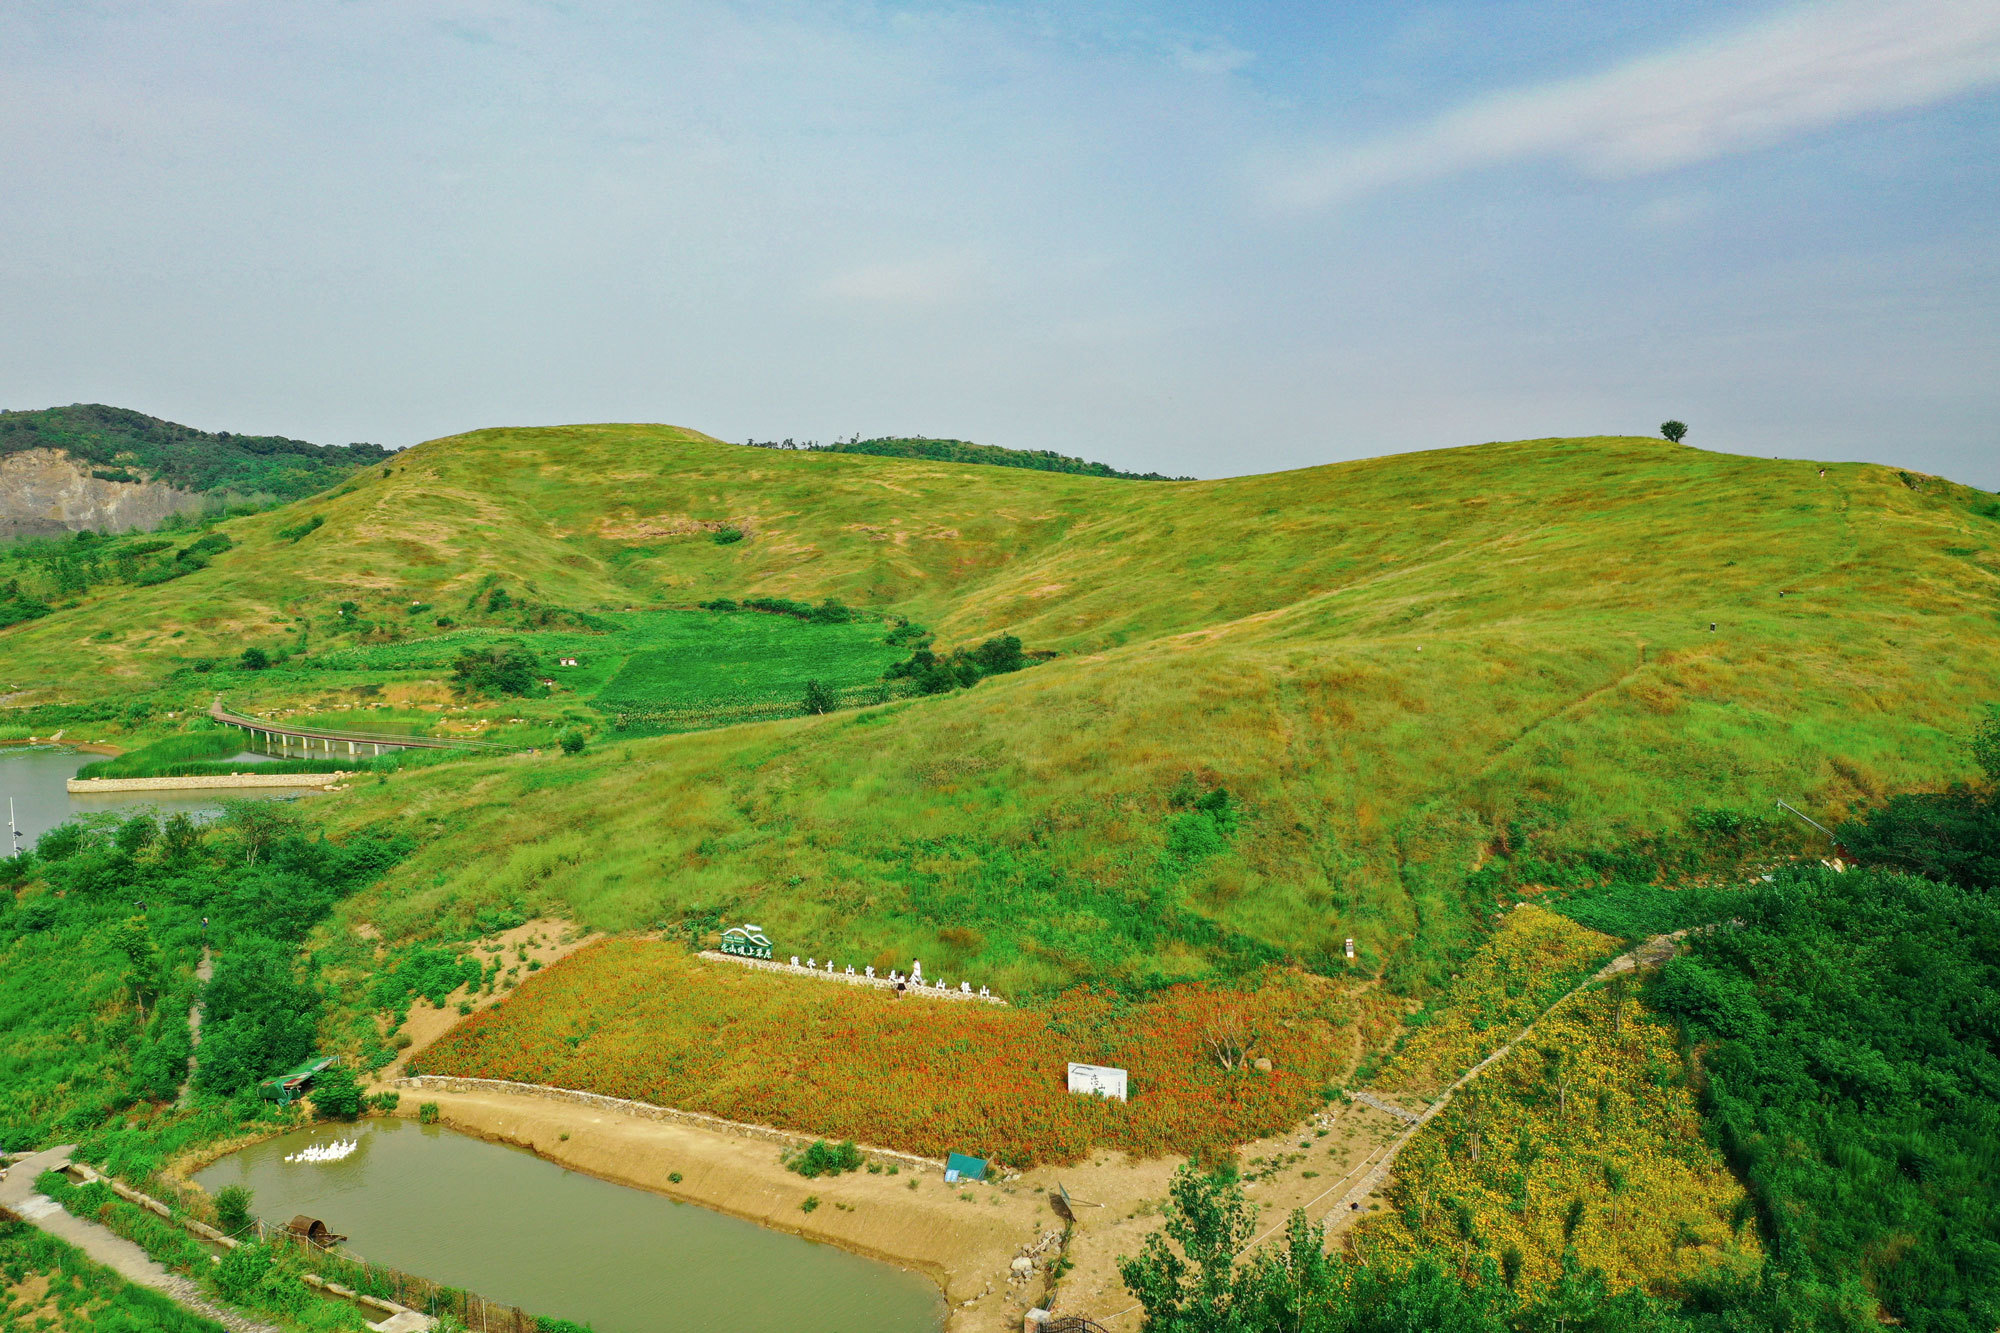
932,674
824,1159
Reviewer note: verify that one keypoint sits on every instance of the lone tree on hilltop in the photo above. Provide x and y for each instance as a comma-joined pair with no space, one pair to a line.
1674,431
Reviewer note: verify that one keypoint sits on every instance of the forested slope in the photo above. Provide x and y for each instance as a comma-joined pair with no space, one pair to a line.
124,444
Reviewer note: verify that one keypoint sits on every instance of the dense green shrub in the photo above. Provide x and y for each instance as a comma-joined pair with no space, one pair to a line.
1951,835
232,1210
336,1095
422,970
1852,1052
502,669
297,531
825,1159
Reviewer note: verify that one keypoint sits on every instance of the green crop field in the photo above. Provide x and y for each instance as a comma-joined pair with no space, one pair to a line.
663,670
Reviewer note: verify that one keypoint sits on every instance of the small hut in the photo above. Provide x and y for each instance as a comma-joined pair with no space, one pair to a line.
313,1231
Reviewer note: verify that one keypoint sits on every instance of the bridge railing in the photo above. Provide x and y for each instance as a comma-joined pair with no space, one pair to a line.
221,714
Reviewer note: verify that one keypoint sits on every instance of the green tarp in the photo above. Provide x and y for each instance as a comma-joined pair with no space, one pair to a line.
286,1086
968,1168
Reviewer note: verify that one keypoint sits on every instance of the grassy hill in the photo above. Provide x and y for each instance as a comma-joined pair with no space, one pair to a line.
1419,680
125,443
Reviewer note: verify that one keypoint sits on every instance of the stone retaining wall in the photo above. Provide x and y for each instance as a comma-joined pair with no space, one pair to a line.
926,991
83,786
446,1083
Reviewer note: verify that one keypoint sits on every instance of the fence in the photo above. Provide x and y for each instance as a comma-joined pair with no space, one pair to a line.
349,1275
335,1271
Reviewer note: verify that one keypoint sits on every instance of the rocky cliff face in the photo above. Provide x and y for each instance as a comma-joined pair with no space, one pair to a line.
46,493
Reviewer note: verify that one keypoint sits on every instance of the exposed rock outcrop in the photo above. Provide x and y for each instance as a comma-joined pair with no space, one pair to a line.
46,493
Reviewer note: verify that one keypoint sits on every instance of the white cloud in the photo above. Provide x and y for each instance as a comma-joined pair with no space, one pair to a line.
925,281
1800,70
1673,212
1211,57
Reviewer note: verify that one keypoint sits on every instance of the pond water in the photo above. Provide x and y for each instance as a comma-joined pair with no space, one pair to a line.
514,1228
34,776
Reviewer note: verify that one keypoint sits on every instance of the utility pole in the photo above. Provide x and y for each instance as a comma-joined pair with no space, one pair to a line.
12,827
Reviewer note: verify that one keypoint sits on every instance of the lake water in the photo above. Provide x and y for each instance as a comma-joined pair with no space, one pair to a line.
35,777
514,1228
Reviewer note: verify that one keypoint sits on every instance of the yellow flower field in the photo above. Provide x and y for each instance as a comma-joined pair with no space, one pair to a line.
1529,963
1587,1134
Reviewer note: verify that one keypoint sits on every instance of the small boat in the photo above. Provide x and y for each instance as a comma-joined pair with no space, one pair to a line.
325,1152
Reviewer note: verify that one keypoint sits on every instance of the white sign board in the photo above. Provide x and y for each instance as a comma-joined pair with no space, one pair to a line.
1102,1080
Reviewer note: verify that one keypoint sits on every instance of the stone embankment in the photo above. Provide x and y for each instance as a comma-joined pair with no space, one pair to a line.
446,1083
86,786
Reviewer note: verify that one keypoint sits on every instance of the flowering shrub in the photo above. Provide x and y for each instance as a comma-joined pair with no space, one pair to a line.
1531,960
1581,1136
643,1020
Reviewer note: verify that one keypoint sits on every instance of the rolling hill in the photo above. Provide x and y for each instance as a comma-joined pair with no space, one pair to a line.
1419,683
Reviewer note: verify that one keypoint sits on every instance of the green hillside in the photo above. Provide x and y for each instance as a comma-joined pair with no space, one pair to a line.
1419,682
128,446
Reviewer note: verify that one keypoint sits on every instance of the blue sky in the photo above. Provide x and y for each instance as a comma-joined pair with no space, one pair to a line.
1199,239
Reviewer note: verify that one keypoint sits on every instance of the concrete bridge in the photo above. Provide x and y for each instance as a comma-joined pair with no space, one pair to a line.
311,741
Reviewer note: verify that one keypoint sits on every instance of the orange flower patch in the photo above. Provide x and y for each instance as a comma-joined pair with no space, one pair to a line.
643,1020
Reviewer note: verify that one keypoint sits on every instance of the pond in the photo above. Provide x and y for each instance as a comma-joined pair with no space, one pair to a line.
503,1223
34,776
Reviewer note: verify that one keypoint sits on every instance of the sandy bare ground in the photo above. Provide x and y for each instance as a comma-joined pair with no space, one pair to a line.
542,941
964,1237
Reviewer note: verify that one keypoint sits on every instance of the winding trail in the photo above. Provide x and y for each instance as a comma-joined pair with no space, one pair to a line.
1375,1168
203,972
1338,1220
18,1196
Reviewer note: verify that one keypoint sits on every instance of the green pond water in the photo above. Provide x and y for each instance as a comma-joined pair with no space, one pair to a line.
513,1228
34,776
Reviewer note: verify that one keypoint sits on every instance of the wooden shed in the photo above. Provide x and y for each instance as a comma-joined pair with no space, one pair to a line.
313,1230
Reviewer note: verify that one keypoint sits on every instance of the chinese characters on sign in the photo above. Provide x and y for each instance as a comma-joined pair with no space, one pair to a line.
746,942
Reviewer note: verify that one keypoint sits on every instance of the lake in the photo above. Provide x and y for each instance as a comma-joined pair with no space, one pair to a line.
503,1223
35,777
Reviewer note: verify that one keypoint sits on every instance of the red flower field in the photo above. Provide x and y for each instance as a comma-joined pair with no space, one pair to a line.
644,1020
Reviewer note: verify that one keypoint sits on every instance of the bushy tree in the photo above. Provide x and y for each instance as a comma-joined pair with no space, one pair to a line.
254,659
503,669
818,698
1673,431
998,656
335,1093
573,741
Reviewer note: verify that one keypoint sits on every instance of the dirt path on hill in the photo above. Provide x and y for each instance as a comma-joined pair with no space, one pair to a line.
101,1245
204,972
1358,1191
